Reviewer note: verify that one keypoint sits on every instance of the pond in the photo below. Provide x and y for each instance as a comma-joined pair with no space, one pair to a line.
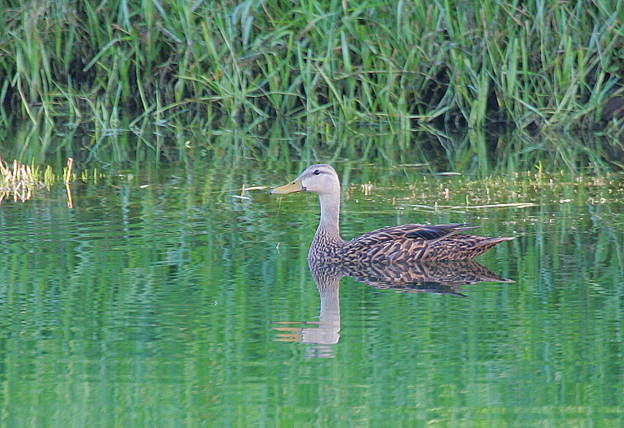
172,296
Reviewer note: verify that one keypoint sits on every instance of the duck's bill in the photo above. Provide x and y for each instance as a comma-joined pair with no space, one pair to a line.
295,186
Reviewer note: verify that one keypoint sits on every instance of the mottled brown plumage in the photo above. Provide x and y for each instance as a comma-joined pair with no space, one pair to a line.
393,244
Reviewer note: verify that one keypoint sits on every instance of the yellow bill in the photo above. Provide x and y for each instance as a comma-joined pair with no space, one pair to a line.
295,186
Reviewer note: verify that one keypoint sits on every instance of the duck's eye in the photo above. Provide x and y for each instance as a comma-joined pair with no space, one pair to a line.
316,172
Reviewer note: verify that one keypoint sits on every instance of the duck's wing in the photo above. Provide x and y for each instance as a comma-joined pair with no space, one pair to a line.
408,242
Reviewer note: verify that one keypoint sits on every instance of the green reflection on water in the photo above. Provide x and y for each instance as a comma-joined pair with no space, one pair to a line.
157,300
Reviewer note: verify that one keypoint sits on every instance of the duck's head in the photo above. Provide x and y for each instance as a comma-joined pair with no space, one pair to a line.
320,179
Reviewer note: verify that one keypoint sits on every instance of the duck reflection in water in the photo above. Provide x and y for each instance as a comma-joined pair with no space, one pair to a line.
445,277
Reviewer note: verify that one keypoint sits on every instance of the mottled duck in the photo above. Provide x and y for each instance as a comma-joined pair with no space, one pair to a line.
392,244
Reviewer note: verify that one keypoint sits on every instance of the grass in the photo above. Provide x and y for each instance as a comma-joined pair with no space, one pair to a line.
536,65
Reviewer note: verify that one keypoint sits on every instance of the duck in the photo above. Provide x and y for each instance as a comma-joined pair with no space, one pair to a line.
407,243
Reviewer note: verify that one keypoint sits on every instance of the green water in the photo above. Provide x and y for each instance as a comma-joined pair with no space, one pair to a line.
167,297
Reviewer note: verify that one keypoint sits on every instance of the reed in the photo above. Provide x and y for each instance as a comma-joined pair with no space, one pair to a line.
19,181
535,65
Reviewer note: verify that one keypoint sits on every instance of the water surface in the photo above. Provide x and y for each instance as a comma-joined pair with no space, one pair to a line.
170,297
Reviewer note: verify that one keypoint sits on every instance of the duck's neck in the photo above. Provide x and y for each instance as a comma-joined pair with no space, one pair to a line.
328,231
330,215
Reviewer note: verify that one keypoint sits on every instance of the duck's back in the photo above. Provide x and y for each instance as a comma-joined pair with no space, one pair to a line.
417,243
